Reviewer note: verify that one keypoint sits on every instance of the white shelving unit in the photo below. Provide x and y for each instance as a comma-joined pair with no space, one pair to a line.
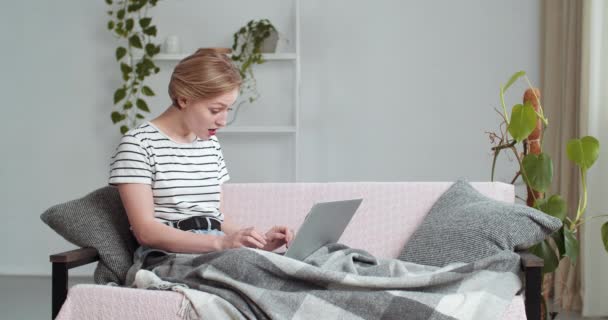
293,129
266,56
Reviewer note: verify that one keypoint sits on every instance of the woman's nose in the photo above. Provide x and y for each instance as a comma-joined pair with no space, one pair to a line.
221,120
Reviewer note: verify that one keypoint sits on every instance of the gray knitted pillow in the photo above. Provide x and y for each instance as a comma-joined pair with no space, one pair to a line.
465,226
97,220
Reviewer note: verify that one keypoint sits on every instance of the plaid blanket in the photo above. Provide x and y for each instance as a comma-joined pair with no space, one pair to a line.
335,282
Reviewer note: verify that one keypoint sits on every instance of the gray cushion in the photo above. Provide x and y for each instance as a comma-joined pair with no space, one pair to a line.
97,220
465,226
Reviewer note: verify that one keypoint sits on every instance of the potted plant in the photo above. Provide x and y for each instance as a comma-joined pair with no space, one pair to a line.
250,41
130,24
526,125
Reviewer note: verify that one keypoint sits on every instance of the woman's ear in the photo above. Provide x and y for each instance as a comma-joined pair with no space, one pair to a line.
182,102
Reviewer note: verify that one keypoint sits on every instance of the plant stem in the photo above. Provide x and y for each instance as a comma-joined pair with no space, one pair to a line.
502,102
504,146
494,164
523,172
581,208
516,176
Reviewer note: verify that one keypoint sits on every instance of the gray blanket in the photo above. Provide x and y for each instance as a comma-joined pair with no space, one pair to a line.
335,282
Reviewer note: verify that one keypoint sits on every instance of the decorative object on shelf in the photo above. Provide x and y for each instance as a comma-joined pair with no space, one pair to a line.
253,39
172,45
130,22
526,125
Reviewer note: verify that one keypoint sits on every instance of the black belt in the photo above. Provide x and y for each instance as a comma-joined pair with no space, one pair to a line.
196,223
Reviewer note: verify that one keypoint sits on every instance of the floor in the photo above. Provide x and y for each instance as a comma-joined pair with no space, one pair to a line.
30,298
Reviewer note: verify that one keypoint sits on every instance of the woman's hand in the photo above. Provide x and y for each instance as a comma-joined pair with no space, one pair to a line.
278,236
246,237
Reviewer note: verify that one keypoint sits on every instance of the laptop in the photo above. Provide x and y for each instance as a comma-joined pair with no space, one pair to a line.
324,224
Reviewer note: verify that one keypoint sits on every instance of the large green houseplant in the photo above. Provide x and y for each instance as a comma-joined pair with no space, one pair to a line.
525,127
132,26
247,47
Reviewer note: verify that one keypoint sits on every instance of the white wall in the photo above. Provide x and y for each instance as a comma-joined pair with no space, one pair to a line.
391,90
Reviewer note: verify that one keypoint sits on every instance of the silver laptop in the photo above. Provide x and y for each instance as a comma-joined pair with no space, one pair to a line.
324,224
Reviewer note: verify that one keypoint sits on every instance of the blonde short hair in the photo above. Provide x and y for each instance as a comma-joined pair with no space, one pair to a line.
206,74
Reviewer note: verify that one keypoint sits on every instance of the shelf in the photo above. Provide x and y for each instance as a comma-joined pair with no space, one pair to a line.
259,129
180,56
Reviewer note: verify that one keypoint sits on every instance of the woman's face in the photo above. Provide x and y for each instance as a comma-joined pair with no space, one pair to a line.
204,117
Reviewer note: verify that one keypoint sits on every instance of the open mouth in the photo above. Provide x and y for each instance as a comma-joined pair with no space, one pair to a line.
212,132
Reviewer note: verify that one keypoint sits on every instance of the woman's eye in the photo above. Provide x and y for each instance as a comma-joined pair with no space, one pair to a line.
229,109
214,112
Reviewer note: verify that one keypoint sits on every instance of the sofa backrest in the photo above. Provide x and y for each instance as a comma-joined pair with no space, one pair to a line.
388,216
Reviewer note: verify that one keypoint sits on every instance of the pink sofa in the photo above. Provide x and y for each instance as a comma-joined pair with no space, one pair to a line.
388,216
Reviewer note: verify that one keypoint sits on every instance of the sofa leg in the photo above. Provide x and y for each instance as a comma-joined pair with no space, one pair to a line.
533,293
59,287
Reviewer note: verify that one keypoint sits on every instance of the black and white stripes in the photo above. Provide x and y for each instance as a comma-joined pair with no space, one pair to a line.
185,177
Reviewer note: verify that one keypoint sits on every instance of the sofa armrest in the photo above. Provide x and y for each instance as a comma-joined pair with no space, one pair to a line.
532,266
62,262
75,258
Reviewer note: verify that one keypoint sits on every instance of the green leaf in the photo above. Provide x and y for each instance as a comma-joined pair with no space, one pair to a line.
558,237
151,31
128,105
571,245
583,151
125,68
605,235
513,78
523,121
141,105
120,14
120,53
144,22
117,117
135,41
538,171
150,49
544,251
554,206
119,95
139,116
147,91
110,25
129,24
124,129
109,2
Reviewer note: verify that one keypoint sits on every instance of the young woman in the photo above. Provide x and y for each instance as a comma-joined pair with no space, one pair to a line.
169,171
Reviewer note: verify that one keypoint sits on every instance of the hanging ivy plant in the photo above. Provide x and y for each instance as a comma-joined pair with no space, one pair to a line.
133,28
246,47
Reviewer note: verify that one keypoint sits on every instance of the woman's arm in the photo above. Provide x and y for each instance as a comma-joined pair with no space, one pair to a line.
139,204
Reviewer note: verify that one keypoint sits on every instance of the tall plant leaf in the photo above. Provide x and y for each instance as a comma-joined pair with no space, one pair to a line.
571,245
558,238
544,251
523,121
554,206
605,235
538,171
513,78
583,151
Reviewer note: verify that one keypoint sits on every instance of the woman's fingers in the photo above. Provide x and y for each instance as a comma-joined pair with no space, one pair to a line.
275,236
254,242
250,232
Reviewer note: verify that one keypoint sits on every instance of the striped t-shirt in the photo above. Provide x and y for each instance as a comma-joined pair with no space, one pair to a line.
185,177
